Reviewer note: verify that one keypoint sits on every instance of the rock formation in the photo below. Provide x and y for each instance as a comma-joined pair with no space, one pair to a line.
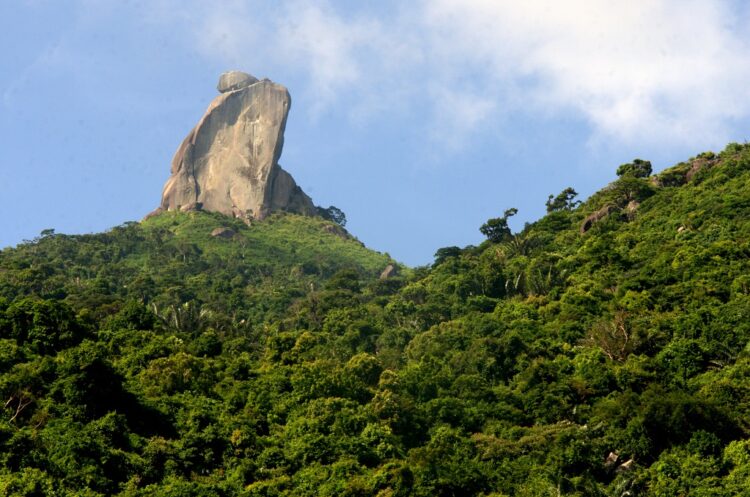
235,80
228,163
597,216
223,233
390,271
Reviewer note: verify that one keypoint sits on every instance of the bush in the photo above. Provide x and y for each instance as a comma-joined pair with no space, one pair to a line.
637,169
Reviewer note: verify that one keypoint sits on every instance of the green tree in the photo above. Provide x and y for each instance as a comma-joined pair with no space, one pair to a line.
445,253
563,201
496,229
637,169
332,213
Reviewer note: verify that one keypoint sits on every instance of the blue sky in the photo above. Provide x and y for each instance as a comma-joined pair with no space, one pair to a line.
419,119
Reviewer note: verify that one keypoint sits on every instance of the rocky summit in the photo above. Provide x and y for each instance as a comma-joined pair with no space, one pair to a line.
228,163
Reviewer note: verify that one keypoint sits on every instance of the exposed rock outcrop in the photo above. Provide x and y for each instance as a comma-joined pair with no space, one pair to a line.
597,216
626,466
228,163
611,460
631,209
700,163
191,207
223,233
390,271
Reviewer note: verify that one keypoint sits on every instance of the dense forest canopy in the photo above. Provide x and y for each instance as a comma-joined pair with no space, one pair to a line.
602,350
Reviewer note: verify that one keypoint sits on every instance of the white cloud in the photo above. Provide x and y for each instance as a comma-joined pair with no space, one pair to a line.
659,71
643,70
339,56
332,50
457,111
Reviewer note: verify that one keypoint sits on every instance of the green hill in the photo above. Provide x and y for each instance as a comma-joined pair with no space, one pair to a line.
603,350
173,259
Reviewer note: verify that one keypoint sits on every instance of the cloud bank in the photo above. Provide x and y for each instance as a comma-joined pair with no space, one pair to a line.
643,70
646,71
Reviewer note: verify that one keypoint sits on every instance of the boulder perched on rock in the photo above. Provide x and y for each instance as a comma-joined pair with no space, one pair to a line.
235,80
228,163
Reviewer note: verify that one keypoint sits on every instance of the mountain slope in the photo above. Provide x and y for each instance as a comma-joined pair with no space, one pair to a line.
173,258
603,350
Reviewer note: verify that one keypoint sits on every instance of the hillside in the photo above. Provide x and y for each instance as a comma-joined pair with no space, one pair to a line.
603,350
173,259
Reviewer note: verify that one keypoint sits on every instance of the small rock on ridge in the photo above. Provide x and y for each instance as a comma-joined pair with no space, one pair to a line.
223,233
235,80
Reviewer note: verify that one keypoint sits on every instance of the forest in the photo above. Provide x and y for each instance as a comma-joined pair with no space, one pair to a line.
603,350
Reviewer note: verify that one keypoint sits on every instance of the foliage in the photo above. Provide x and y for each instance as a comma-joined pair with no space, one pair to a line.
496,229
445,253
563,201
638,169
332,213
155,359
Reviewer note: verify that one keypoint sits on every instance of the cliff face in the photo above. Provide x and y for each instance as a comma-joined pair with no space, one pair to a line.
228,163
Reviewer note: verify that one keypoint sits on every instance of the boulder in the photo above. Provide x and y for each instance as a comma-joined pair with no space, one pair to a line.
223,233
192,206
631,209
228,163
390,271
235,80
698,165
153,213
626,466
597,216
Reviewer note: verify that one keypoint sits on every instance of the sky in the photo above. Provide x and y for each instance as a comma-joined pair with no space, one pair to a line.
420,119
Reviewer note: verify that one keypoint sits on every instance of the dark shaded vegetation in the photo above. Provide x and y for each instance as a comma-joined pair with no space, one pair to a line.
156,360
332,213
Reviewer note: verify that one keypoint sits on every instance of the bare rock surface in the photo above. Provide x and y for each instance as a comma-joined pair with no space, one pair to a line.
597,216
223,233
390,271
191,207
698,165
228,163
235,80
